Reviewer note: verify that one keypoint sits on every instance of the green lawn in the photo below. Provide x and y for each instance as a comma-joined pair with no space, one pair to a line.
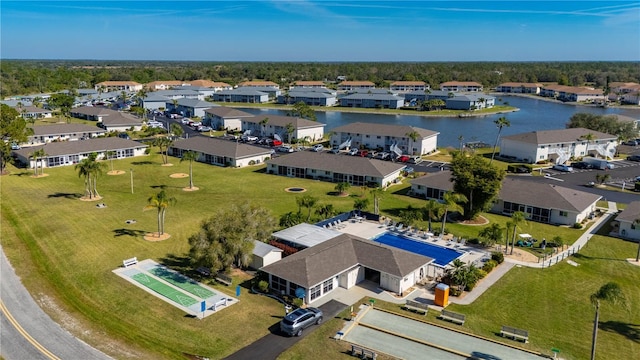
65,250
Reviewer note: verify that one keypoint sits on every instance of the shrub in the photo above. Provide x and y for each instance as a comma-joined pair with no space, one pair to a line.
489,265
297,302
481,274
498,257
252,162
577,226
474,241
147,151
263,286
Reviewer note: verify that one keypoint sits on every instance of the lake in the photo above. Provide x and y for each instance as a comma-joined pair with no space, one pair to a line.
534,114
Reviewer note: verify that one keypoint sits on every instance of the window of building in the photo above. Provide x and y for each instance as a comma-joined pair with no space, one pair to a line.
327,286
315,292
564,213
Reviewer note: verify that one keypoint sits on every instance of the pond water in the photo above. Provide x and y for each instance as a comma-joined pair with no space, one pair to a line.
534,114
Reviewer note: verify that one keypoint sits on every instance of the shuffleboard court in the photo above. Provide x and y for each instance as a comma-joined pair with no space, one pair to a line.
178,280
164,290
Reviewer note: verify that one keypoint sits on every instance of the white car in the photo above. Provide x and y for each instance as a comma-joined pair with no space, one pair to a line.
353,151
285,149
317,147
185,121
563,168
249,138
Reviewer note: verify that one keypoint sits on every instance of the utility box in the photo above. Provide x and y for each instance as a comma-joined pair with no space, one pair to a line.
442,295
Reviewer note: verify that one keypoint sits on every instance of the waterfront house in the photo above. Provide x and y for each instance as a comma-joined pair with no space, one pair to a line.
372,101
383,136
241,95
470,102
519,88
309,96
269,125
222,117
461,86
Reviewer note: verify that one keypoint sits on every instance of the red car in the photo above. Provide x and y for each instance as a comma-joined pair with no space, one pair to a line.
277,143
363,153
403,158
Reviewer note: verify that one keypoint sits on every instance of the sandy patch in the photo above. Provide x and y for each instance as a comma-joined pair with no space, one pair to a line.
154,236
115,172
480,220
39,176
178,175
633,261
167,164
86,198
195,188
522,255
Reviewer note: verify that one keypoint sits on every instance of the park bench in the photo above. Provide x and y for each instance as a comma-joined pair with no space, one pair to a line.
224,279
416,306
452,316
362,352
203,271
515,334
130,262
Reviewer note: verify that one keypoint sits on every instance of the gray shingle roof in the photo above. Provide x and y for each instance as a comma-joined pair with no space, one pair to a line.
93,111
558,136
121,119
439,180
399,131
384,97
60,129
630,213
318,263
83,146
242,91
344,164
227,112
195,103
219,147
545,195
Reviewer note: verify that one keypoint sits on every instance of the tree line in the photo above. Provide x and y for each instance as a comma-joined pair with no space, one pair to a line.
21,77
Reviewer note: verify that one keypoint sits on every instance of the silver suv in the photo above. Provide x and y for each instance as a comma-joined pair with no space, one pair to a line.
295,322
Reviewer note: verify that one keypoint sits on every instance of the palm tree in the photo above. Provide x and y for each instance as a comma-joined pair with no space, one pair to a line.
289,129
83,168
433,209
342,187
35,155
414,136
361,204
160,201
190,156
326,211
176,129
263,125
377,193
163,144
500,123
491,233
482,100
516,218
110,154
589,137
95,168
309,202
90,169
610,292
41,154
452,203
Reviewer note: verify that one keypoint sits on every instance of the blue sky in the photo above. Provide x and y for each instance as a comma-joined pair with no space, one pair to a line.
327,30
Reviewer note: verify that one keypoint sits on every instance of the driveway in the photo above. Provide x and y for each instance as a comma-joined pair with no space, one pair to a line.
272,345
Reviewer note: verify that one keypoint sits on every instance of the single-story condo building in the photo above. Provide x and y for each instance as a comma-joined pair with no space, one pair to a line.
461,86
544,202
221,152
432,185
120,122
629,221
355,170
309,96
93,113
222,117
63,132
345,261
519,88
557,146
34,112
270,125
383,136
69,153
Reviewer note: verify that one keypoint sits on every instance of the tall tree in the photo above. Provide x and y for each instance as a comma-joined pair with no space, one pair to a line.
263,125
302,110
413,136
451,202
478,180
517,218
342,187
190,156
307,201
492,234
90,169
609,292
589,137
37,156
608,124
361,204
176,129
326,211
110,154
500,123
62,101
13,130
228,236
432,210
163,144
290,129
160,201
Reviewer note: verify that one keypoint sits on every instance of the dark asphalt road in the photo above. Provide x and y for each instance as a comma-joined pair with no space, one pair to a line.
272,345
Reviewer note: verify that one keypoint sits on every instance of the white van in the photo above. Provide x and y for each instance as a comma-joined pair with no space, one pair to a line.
563,168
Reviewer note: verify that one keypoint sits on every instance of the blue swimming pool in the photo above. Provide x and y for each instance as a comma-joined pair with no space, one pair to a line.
441,255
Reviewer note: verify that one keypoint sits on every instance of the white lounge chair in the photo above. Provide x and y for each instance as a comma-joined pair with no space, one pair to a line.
399,227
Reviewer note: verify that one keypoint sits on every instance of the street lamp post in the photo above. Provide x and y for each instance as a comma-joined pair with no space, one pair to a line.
131,170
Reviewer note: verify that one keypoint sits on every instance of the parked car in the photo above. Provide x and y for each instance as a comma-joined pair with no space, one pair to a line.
185,121
285,149
335,150
204,128
383,156
631,143
249,138
582,165
403,158
563,168
415,160
124,135
363,153
15,146
317,147
633,158
353,152
295,322
372,154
